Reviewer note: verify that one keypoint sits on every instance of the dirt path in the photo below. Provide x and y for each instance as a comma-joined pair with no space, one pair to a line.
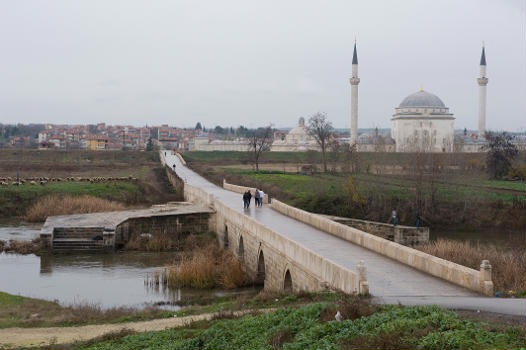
16,337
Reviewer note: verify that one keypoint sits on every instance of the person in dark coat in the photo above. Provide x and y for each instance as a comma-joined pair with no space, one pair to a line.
249,198
245,200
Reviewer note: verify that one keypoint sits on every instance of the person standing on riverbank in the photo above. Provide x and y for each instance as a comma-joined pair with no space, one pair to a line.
394,218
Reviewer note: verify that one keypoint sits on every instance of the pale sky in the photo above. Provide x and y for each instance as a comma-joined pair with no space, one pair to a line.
256,62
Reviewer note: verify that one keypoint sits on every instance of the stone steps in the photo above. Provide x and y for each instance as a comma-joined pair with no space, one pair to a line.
77,245
75,239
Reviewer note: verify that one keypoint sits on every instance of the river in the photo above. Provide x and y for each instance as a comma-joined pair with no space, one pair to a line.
109,280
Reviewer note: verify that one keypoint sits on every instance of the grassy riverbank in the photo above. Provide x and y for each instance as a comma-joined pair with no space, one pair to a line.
313,326
141,181
19,311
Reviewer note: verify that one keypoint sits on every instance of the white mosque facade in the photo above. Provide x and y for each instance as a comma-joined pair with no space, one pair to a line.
422,122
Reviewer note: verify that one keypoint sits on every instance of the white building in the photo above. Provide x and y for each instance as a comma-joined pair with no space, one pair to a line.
422,122
297,140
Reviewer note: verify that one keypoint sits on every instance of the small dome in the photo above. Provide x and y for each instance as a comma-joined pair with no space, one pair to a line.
422,99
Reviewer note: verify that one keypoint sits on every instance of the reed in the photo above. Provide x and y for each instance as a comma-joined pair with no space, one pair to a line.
204,267
509,263
63,205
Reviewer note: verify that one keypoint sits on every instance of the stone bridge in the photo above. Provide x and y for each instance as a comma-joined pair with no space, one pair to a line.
286,248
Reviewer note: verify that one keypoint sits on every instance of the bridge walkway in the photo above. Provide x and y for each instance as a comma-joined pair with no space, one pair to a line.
386,277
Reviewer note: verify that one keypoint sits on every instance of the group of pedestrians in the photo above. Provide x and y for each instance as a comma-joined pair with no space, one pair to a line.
258,198
393,219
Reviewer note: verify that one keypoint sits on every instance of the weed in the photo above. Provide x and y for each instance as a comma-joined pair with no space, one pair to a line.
62,205
508,263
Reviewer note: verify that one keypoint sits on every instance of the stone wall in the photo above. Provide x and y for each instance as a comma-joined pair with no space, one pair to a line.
479,281
177,227
176,182
405,235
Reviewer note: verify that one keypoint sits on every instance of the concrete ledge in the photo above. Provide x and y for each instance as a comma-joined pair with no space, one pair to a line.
447,270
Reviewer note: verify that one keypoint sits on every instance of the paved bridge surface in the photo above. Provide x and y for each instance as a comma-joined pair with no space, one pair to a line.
388,279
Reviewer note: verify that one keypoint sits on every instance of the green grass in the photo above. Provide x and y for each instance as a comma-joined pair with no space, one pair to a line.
78,157
394,327
300,186
18,311
221,156
7,299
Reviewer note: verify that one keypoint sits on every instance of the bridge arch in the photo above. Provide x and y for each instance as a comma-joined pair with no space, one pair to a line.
287,283
241,249
260,272
225,238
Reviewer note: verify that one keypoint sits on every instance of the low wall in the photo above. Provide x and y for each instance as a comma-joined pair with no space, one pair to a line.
180,158
243,189
479,281
175,226
176,182
405,235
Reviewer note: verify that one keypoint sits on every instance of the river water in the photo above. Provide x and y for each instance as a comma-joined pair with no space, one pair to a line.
115,279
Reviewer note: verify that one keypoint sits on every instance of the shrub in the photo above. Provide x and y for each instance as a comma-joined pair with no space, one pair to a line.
205,267
508,263
63,205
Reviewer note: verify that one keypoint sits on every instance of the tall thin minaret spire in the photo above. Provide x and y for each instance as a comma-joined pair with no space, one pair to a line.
354,80
482,81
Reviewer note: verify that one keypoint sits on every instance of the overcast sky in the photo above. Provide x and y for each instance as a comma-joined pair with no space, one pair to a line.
256,62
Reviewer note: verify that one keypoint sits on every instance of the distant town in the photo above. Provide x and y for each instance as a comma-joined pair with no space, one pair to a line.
98,137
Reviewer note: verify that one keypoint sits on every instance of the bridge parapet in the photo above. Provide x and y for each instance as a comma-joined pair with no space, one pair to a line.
282,259
447,270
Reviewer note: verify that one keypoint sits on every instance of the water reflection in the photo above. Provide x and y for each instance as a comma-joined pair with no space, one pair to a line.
19,232
106,279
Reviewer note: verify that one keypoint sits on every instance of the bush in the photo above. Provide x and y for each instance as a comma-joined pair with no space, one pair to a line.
518,171
508,263
63,205
204,267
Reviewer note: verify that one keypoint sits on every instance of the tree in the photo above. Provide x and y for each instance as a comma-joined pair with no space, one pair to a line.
198,126
501,153
259,141
321,129
149,145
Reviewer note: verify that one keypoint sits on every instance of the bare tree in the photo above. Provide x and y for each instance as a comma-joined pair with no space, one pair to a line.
321,129
259,141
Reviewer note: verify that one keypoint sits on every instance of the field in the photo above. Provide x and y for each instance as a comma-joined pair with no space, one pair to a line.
312,326
142,181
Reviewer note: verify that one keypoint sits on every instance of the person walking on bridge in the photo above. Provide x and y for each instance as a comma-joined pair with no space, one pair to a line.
261,196
245,200
249,194
256,198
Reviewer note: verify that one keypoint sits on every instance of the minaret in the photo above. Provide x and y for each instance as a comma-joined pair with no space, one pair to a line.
354,97
483,81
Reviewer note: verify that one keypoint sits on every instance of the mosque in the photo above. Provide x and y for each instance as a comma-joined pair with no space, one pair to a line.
422,122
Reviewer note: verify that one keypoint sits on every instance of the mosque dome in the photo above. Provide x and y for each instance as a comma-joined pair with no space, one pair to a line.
422,99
